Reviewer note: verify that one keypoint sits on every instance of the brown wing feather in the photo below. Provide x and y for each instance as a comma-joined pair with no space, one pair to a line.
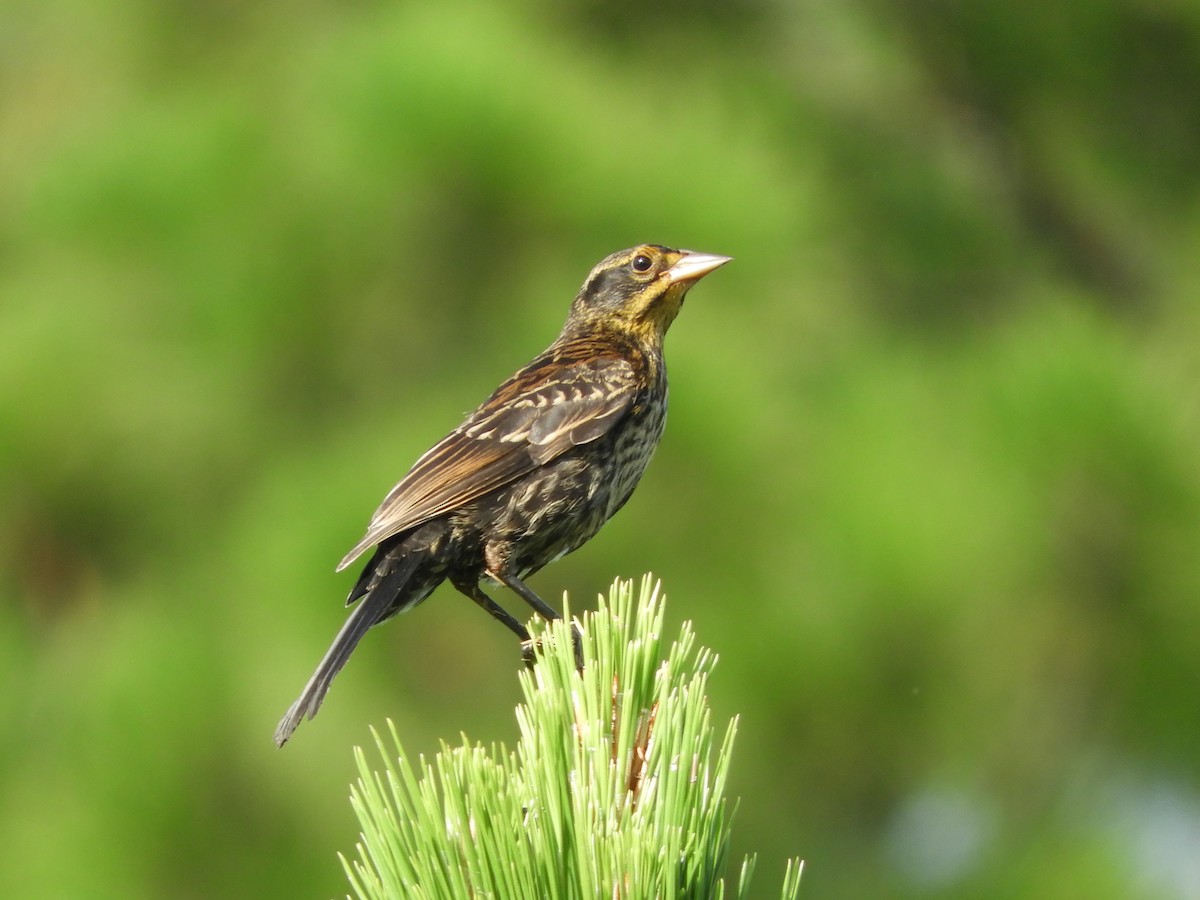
545,409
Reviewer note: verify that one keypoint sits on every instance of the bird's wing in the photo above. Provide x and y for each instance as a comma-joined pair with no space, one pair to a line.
539,413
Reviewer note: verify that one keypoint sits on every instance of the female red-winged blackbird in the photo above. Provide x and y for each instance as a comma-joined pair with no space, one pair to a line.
535,471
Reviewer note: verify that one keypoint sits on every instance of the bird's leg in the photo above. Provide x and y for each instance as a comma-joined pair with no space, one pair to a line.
545,609
525,592
471,589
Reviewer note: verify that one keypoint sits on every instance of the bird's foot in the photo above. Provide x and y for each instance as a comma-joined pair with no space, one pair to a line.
532,646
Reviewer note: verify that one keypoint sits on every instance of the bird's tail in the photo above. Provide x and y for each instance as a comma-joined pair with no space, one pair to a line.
375,607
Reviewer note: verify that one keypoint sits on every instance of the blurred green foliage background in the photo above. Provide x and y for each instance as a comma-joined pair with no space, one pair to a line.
930,486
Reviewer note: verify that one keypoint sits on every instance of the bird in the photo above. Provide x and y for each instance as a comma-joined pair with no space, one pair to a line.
532,473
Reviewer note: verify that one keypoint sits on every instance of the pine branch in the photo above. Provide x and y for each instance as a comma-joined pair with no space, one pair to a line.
616,787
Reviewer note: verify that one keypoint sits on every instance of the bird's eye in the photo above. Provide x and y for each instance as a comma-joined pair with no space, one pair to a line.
642,263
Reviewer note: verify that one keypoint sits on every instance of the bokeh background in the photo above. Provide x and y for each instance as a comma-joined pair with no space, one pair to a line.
931,484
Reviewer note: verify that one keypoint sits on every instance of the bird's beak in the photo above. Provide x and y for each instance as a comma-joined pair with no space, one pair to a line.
694,266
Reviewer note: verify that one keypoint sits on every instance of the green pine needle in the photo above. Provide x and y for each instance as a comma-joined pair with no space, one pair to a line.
616,787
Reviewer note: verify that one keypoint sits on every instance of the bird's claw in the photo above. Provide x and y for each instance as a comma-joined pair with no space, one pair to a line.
531,646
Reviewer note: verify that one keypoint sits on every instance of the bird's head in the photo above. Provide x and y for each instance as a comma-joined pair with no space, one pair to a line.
638,292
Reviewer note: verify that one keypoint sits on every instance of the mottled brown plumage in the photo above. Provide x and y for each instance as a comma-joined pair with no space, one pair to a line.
536,470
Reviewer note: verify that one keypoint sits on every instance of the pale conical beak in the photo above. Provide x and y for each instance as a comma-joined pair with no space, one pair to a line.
694,266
